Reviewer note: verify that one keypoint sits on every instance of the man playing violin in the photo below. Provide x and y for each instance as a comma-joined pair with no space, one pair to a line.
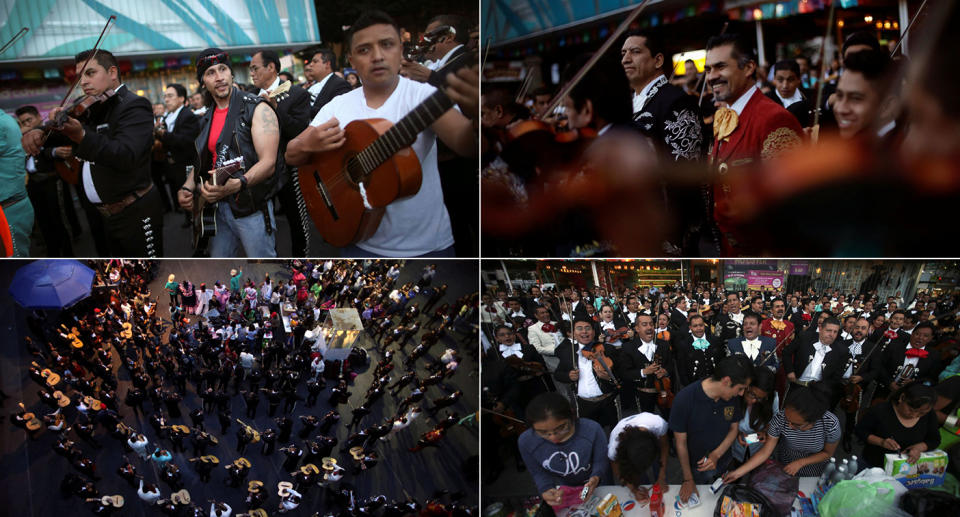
114,141
645,359
514,372
417,225
591,372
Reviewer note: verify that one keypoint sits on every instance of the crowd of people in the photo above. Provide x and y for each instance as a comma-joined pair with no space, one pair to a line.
131,164
153,381
595,387
738,160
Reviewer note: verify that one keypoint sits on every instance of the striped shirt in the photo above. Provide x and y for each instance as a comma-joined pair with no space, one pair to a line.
794,444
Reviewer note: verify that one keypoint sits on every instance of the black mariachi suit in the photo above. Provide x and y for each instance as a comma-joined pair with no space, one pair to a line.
927,367
633,361
726,328
800,109
46,191
692,364
505,381
671,119
885,342
293,115
334,86
604,411
866,364
797,355
117,142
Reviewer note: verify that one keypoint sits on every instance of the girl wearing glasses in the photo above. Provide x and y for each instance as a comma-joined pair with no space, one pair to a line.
905,423
802,437
759,403
561,450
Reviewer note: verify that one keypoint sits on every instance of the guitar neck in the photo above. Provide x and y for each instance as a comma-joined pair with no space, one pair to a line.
404,132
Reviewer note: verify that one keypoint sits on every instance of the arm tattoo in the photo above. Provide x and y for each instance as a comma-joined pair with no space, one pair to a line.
268,120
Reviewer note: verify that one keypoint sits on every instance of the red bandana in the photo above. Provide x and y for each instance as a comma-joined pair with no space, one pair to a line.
807,317
548,328
890,334
917,352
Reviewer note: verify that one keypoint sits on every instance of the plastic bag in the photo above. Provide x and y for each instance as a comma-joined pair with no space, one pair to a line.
860,498
877,475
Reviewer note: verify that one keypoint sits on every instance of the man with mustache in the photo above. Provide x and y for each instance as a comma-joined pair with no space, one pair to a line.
748,127
238,124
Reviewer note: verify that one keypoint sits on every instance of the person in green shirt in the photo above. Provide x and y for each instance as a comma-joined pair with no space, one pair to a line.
235,281
17,208
173,288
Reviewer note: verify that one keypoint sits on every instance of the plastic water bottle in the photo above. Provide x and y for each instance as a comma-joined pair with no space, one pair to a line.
829,470
840,474
854,467
656,502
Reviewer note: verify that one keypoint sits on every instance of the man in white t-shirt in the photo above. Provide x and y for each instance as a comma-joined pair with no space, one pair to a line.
417,225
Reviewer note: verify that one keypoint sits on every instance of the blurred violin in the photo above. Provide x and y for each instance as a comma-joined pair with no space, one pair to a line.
601,363
663,387
611,336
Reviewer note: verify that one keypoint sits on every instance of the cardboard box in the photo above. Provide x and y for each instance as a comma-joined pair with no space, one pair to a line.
927,472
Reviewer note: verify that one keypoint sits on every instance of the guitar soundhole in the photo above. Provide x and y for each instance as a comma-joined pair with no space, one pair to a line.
353,169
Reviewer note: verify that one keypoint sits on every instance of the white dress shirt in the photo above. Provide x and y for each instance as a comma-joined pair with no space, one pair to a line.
855,349
751,347
814,369
171,118
787,101
276,82
738,317
587,386
316,87
640,99
741,103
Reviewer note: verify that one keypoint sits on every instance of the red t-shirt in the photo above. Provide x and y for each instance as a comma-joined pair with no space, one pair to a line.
216,127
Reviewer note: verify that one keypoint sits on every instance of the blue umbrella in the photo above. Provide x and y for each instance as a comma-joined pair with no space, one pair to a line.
51,284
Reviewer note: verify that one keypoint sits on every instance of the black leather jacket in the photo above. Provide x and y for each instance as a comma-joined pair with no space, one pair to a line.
235,140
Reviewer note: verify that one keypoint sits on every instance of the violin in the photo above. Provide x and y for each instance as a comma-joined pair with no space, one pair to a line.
612,336
530,367
601,363
69,170
663,387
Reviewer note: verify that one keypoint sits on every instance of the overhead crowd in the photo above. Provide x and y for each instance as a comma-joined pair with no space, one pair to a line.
241,149
736,159
595,387
119,373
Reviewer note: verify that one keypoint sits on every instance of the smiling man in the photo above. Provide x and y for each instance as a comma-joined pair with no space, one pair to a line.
747,129
865,106
417,225
113,139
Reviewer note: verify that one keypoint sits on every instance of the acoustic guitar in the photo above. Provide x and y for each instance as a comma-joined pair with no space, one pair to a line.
347,190
31,420
205,214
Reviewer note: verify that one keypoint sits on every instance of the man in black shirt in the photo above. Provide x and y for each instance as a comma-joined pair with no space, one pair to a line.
176,134
114,141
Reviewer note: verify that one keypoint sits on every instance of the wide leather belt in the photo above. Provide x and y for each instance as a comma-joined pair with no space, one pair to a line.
108,209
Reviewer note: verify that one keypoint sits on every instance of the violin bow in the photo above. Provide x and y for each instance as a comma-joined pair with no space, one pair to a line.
76,80
572,83
96,49
905,31
13,40
821,81
573,350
